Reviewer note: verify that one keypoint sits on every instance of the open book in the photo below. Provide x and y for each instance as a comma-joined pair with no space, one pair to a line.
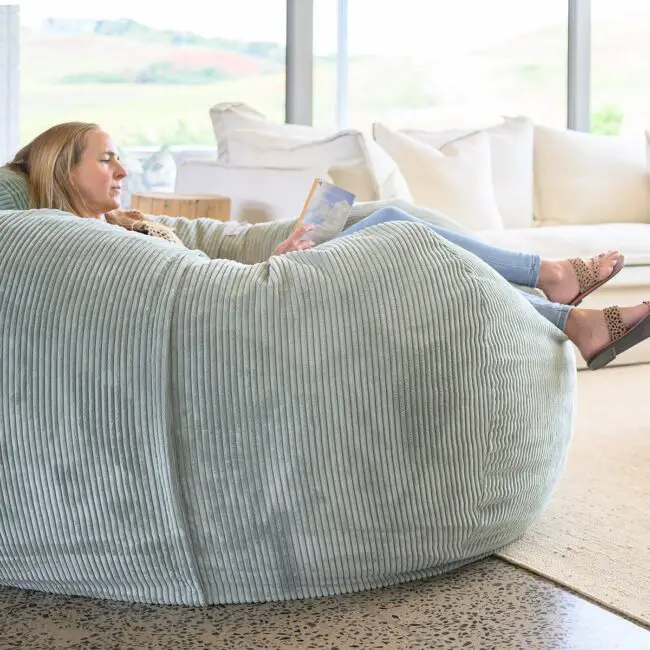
327,208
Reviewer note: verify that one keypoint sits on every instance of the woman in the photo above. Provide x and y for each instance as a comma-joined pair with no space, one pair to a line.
74,167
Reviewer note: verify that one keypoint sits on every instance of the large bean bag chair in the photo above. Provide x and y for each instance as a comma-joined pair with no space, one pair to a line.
208,425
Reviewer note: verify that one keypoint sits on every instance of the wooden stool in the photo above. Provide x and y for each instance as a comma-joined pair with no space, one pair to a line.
190,206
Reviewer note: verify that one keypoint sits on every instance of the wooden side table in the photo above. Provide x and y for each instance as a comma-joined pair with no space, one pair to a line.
190,206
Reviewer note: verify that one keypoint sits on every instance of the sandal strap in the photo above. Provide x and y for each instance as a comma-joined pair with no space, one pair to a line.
614,323
588,274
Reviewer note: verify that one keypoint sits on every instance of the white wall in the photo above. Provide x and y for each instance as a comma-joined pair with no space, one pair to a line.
9,77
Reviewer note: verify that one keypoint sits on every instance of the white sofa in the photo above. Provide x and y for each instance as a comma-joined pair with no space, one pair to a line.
515,184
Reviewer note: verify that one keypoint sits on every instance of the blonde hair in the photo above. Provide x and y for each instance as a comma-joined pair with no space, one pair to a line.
46,163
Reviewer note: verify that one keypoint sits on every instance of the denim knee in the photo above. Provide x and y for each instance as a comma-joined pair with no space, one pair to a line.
384,215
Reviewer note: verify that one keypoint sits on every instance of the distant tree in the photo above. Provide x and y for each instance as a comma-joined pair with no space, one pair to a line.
607,120
165,73
96,78
162,72
122,27
265,50
128,28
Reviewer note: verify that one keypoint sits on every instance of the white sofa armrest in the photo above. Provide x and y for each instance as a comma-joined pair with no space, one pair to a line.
257,194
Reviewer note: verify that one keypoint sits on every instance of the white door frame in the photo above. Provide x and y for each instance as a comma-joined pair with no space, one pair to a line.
9,81
579,66
299,62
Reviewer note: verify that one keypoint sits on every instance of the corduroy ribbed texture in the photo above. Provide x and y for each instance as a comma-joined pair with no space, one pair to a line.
14,194
184,430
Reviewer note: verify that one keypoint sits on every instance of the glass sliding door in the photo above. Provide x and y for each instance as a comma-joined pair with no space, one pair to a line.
326,71
442,64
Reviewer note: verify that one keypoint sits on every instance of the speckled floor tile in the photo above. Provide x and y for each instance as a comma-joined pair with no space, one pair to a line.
490,605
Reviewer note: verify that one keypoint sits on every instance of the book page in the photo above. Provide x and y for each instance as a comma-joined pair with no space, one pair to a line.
327,208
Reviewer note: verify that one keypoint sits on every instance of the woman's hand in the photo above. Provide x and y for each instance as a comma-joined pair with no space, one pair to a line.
292,243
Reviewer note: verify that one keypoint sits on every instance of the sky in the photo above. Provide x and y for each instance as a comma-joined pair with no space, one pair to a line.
375,26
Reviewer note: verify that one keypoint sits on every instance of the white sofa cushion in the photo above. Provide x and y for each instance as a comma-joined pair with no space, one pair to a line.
582,178
455,179
354,161
559,242
258,194
511,148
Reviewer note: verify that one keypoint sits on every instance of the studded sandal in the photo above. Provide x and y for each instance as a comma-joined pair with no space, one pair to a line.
621,337
588,275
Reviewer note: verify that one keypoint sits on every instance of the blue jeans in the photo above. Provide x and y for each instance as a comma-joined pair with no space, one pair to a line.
518,268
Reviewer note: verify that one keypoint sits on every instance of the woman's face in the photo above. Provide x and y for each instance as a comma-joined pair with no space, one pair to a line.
99,174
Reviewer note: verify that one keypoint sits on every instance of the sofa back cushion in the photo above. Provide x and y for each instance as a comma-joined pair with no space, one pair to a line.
353,160
456,179
14,193
582,178
511,149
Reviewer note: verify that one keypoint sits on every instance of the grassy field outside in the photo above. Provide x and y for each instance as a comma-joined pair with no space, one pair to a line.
137,114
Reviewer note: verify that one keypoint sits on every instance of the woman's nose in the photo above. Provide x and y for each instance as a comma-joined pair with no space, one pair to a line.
120,170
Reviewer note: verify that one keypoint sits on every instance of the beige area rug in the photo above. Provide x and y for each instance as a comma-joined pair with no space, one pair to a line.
594,536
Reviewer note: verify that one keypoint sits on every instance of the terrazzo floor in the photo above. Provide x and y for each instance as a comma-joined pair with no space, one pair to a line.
488,605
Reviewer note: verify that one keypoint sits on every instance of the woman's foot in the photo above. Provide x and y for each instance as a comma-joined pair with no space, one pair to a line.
587,328
558,279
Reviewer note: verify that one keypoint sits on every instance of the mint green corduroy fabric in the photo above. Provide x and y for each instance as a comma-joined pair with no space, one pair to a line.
180,429
14,194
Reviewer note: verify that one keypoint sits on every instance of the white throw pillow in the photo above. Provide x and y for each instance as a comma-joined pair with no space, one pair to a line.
456,179
227,117
355,162
511,147
257,193
582,178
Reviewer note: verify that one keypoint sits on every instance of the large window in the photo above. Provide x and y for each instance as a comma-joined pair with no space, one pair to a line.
620,68
149,72
443,63
326,51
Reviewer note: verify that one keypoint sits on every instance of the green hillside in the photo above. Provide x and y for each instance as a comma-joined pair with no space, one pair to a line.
50,58
107,77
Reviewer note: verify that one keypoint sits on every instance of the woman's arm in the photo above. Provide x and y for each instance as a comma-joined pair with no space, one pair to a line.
251,244
230,240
